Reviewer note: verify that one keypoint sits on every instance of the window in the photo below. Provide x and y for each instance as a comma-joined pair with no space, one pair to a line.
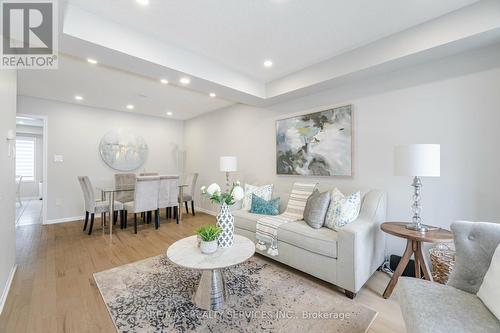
25,158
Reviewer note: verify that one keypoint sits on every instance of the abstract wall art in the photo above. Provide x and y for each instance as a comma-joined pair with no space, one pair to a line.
122,150
315,144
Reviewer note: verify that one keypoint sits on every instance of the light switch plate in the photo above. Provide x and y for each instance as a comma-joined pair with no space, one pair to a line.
58,158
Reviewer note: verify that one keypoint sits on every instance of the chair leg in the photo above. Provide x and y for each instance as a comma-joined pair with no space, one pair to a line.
149,217
186,204
115,216
86,220
125,216
192,207
168,211
157,218
135,223
176,213
91,223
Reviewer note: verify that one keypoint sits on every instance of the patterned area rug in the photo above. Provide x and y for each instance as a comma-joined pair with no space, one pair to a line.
154,295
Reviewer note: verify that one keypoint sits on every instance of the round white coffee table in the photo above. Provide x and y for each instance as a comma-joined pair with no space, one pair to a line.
211,293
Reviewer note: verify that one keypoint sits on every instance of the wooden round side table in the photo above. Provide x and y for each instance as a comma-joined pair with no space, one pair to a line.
414,240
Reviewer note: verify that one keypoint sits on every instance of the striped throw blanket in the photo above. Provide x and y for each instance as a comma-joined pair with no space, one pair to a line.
267,226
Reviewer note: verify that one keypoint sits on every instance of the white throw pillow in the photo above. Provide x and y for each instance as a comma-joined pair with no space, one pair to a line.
342,210
265,192
489,292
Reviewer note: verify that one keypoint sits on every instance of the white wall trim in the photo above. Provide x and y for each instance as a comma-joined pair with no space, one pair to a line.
65,219
30,198
45,138
6,290
206,211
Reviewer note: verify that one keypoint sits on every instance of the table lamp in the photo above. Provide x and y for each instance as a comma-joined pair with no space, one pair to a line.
417,160
228,164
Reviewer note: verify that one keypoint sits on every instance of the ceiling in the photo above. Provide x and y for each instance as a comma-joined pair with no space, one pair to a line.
295,34
221,46
105,87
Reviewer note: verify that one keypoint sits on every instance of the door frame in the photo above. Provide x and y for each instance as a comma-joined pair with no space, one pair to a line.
44,160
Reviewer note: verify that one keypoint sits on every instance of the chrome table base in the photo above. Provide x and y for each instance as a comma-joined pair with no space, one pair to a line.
211,293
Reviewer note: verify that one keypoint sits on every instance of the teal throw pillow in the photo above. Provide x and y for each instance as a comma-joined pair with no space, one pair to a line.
265,207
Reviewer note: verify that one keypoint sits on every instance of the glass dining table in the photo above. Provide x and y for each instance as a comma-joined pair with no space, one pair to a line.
110,192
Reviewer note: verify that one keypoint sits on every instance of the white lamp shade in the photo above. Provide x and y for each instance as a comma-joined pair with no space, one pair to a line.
422,160
228,163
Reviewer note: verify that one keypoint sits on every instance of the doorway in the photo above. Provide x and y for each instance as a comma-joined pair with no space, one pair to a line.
31,169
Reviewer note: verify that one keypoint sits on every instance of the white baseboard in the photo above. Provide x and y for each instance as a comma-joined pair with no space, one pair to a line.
206,211
5,293
65,219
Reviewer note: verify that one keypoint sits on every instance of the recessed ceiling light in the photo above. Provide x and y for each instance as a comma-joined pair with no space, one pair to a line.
185,80
21,122
143,2
92,61
164,81
268,63
130,106
169,113
213,95
79,98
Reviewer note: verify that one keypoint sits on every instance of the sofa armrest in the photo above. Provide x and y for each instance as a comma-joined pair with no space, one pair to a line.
361,244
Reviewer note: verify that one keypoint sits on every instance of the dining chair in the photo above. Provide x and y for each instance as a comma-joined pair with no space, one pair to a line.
145,199
188,193
18,190
168,196
93,206
142,174
123,179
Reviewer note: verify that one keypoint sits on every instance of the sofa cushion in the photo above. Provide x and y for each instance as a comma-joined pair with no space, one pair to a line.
265,192
316,207
321,241
245,220
489,292
342,210
433,307
265,207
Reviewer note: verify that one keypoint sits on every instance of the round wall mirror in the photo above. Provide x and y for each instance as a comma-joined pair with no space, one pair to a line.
123,150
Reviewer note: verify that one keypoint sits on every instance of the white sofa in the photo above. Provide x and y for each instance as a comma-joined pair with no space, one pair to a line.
346,258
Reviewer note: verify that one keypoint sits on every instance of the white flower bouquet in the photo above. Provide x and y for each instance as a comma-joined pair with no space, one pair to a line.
215,194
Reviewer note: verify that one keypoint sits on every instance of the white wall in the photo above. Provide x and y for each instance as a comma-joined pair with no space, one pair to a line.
454,102
29,189
75,132
8,90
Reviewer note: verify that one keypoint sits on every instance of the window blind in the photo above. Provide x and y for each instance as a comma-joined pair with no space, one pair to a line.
25,158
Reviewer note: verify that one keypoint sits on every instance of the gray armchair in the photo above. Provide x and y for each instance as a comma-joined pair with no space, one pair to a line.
437,308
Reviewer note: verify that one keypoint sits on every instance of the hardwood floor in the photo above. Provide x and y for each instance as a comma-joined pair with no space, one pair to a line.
54,290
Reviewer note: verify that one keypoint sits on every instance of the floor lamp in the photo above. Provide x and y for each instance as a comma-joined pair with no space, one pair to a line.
419,160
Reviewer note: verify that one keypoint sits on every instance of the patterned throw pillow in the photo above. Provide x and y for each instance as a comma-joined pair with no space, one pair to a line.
316,208
265,207
297,202
265,192
343,210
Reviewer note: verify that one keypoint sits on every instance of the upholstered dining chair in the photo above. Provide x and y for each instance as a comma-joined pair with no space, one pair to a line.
93,206
145,199
125,179
168,197
188,192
